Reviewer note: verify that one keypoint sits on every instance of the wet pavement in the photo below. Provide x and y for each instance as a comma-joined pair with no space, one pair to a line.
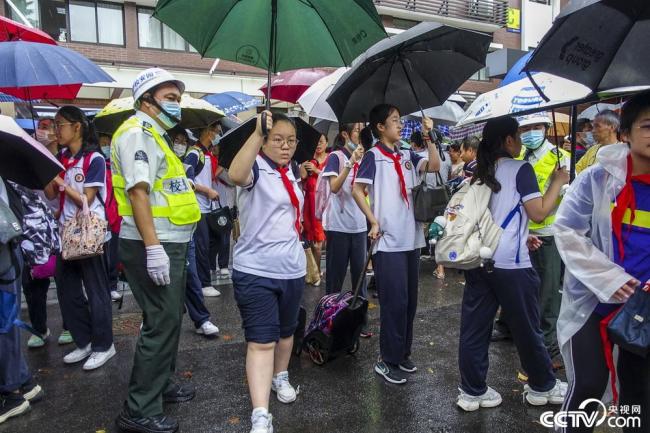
345,395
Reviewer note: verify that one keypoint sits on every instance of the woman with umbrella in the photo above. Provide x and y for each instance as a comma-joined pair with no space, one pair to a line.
389,175
269,262
89,322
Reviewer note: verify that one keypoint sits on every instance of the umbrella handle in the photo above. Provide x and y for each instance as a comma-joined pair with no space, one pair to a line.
265,131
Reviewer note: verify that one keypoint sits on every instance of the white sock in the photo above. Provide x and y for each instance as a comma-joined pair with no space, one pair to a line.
260,411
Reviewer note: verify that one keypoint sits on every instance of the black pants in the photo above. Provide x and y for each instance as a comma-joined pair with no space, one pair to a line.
88,317
36,297
219,250
344,249
113,260
202,246
516,290
194,300
590,376
396,274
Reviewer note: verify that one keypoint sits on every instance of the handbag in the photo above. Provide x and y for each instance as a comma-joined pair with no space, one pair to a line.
630,327
429,202
45,270
219,219
312,276
83,235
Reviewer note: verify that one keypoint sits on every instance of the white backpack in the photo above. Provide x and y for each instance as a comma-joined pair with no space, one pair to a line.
470,226
323,188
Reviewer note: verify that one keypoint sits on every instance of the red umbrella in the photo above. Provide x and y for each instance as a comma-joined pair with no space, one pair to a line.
13,31
290,85
66,91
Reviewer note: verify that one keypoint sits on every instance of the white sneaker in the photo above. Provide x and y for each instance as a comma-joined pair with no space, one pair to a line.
224,274
207,329
115,295
210,292
553,396
261,421
470,403
97,359
79,354
283,389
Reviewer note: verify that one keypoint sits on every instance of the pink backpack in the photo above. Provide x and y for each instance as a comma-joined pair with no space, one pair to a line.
323,188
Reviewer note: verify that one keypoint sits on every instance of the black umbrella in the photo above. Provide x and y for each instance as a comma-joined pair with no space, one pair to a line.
601,44
420,67
235,138
25,160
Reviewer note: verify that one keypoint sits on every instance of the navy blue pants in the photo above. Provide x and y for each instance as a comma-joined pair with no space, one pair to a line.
344,249
35,291
202,245
220,250
517,291
396,275
194,301
89,316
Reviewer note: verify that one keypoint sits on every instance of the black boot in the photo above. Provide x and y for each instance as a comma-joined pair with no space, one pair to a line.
176,393
153,424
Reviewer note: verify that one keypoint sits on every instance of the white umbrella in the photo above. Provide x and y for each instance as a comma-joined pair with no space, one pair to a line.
521,95
448,113
314,100
592,111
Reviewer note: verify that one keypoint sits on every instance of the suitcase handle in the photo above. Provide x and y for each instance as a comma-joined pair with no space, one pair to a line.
357,289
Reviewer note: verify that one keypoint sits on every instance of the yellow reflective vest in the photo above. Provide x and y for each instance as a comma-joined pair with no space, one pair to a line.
544,169
182,207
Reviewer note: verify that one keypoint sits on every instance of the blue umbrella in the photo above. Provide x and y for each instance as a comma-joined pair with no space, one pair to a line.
30,70
516,73
232,102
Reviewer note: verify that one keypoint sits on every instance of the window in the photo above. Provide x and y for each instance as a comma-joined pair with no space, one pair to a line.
481,75
154,34
72,20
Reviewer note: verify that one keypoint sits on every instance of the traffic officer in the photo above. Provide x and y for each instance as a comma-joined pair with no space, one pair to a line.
160,210
544,157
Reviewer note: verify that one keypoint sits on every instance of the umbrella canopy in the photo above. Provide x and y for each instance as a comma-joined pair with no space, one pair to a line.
288,86
517,72
9,98
592,111
232,141
31,70
25,160
232,102
448,113
314,100
601,44
195,113
13,31
521,96
420,67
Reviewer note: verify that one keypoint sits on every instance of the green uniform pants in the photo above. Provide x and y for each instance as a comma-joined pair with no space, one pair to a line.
162,310
548,264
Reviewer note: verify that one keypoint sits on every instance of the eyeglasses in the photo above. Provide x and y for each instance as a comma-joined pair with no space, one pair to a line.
645,130
58,125
279,142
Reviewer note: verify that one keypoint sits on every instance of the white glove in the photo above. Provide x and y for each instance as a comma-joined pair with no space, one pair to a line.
158,265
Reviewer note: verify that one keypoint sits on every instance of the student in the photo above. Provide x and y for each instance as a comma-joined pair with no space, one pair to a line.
389,175
468,153
456,161
202,169
220,243
269,265
82,285
603,235
513,283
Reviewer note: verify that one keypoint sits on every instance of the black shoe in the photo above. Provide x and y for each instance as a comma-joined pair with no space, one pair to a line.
12,404
408,366
390,373
32,392
176,393
153,424
500,335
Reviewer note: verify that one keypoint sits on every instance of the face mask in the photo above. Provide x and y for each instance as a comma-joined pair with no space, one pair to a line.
106,150
43,136
533,139
174,109
216,140
588,138
179,149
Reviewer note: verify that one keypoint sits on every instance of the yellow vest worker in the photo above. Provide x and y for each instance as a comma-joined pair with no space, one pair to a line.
159,210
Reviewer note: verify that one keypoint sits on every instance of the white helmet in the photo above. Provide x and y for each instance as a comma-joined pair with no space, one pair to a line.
535,118
150,78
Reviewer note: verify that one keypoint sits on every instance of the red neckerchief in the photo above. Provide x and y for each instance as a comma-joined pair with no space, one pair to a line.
67,164
214,162
624,201
292,194
396,157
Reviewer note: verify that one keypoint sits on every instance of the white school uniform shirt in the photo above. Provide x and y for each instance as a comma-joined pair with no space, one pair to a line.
224,186
342,213
76,179
204,178
396,219
269,245
432,179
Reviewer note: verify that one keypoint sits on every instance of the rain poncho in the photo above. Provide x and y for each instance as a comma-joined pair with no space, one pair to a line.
583,234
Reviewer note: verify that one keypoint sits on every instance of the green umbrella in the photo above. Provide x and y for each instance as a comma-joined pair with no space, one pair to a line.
276,35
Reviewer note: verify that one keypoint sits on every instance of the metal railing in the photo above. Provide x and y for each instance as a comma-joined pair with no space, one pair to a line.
486,11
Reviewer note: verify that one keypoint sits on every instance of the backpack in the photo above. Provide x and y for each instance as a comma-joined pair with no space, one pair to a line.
469,227
323,190
40,238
